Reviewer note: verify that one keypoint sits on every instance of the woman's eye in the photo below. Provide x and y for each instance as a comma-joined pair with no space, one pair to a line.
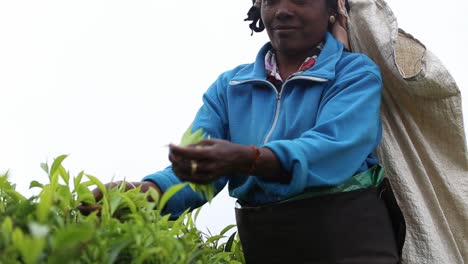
297,2
303,2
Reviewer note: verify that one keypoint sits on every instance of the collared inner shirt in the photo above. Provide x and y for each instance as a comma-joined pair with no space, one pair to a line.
272,68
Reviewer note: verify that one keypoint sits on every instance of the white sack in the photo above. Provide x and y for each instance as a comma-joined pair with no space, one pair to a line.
424,147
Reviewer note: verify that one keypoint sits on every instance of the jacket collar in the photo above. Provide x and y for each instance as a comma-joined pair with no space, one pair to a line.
324,68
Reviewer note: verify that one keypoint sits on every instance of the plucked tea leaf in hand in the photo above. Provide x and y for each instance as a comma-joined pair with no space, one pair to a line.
193,138
208,190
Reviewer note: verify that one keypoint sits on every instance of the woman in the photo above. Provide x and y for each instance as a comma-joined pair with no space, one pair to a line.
294,135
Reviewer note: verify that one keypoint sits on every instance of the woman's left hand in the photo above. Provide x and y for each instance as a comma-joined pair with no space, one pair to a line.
209,159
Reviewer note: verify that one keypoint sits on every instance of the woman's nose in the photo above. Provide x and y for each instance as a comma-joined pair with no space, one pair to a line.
284,9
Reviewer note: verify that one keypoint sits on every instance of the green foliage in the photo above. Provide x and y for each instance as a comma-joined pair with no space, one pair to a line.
48,228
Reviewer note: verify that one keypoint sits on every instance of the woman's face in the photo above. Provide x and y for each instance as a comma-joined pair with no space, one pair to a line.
295,26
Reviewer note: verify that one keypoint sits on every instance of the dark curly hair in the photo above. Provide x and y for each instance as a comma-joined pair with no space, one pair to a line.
257,23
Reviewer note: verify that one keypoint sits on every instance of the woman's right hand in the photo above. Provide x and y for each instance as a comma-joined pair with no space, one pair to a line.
87,209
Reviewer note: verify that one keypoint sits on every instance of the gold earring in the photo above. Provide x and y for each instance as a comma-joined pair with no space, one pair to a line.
332,19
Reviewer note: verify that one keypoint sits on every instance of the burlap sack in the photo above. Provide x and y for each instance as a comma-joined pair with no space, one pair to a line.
424,147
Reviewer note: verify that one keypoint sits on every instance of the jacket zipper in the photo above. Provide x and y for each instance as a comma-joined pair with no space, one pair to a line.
278,106
278,96
278,100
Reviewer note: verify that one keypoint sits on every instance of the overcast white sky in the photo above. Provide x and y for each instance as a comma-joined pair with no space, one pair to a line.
112,82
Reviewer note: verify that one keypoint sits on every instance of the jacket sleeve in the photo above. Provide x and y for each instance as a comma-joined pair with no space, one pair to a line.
184,199
346,132
210,117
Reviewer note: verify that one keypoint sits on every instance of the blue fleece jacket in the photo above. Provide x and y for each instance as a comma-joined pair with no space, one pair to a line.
323,126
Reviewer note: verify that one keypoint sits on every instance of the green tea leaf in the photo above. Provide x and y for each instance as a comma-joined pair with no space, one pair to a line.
63,196
197,212
32,249
229,243
35,184
213,239
45,204
169,193
45,167
84,195
77,180
207,190
238,250
115,201
29,248
116,249
7,229
192,138
153,195
64,174
130,203
17,236
71,237
227,228
56,164
98,183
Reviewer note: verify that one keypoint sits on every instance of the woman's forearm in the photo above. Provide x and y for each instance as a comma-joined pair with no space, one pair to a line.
264,164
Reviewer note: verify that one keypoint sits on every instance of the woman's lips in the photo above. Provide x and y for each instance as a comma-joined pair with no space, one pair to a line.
285,28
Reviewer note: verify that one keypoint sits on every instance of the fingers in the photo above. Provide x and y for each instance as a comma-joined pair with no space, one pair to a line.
201,162
188,161
190,152
208,142
87,209
97,194
196,171
191,170
200,178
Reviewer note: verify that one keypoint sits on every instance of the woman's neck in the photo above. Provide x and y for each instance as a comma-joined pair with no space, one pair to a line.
290,60
288,64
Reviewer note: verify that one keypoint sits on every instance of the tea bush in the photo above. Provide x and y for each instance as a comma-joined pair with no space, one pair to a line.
129,228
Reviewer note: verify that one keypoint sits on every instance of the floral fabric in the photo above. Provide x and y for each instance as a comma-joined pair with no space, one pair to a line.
272,67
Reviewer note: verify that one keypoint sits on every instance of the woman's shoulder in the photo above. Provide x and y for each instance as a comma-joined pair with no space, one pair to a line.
239,71
355,62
